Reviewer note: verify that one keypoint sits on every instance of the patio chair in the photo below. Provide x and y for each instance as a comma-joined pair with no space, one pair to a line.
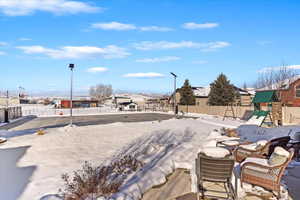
216,170
261,172
279,142
258,149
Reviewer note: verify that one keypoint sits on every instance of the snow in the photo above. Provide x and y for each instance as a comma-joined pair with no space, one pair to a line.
254,133
255,121
216,152
162,146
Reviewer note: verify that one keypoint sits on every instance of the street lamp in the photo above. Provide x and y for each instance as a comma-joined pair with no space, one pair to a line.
71,66
174,97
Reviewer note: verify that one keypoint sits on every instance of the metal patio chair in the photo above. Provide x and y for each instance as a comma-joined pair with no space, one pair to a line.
215,170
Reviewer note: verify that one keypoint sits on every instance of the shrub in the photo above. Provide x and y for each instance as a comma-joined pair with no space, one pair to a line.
92,182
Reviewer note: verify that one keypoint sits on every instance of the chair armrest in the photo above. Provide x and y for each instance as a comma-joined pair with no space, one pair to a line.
259,166
246,142
244,149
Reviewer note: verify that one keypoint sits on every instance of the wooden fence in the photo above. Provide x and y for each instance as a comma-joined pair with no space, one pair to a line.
290,115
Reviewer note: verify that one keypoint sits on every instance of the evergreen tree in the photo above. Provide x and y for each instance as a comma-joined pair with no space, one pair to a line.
186,94
222,92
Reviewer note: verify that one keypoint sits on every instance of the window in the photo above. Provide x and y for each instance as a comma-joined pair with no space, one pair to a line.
298,91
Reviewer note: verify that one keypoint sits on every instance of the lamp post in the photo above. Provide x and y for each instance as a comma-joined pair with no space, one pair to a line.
71,66
174,97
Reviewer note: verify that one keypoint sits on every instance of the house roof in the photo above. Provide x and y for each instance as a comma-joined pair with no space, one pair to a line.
126,103
283,85
265,96
204,91
201,91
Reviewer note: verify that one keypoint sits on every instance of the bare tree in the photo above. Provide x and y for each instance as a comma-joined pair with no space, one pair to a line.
275,78
101,91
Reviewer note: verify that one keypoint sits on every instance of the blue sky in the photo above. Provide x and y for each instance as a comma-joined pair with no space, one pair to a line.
134,44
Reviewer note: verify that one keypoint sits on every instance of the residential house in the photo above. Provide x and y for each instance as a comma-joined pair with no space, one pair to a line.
77,103
128,106
288,91
201,96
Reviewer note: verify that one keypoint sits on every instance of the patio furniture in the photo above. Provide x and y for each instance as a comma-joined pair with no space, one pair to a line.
266,173
296,146
229,144
281,142
258,149
215,170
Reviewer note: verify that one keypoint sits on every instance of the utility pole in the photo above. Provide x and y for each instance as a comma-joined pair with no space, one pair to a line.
71,66
7,100
174,97
6,114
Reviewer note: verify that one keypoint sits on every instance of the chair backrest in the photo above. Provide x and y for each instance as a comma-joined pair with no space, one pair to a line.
284,165
281,142
214,169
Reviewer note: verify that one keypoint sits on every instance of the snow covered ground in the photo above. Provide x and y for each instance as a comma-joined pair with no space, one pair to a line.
64,150
34,164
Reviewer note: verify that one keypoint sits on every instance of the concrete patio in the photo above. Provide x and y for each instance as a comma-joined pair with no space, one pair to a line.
178,187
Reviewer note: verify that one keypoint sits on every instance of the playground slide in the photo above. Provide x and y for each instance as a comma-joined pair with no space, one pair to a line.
254,120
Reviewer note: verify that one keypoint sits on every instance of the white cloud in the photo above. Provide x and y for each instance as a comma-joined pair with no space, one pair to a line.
117,26
148,45
209,46
114,26
2,53
212,46
27,7
144,75
267,69
3,43
97,69
155,28
77,52
25,39
160,59
193,25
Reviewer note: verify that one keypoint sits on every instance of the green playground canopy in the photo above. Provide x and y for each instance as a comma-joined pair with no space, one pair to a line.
265,97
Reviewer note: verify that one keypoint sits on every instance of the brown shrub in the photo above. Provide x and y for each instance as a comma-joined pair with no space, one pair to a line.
98,181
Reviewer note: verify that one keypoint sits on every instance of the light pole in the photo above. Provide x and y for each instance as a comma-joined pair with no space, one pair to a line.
71,66
174,97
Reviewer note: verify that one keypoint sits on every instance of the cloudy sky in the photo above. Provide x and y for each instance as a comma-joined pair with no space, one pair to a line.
134,44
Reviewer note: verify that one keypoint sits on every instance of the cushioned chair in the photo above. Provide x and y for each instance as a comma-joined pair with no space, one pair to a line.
258,149
279,142
266,173
217,170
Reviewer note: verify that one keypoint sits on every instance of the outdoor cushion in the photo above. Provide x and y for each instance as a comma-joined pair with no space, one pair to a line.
261,143
260,161
249,146
231,142
278,157
216,152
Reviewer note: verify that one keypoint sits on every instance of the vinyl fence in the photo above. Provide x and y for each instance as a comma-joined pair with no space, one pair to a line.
13,113
41,110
